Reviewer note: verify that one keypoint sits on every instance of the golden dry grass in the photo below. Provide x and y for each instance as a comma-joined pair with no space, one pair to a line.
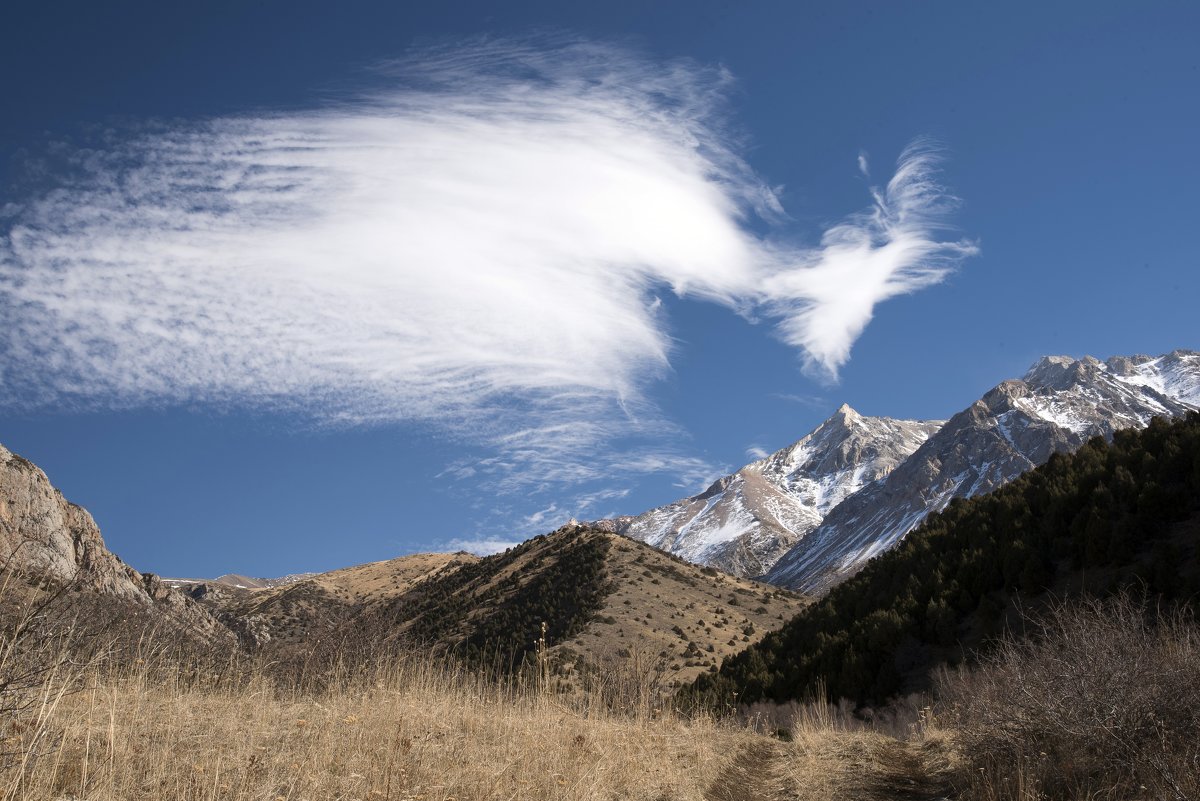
154,717
411,730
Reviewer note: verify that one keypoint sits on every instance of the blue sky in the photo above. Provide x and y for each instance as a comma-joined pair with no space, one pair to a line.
288,287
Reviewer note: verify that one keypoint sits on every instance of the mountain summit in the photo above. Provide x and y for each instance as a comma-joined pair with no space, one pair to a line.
745,521
1058,405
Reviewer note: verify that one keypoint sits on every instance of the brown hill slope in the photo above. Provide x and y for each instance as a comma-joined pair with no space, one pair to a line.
602,597
298,613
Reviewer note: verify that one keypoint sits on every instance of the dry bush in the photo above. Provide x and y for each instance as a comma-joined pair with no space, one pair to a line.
45,650
1102,703
634,682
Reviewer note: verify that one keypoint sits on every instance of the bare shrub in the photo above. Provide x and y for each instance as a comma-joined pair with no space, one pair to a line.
904,718
634,682
42,654
1102,702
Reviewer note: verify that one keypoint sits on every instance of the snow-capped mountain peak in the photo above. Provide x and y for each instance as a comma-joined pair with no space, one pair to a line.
744,521
1058,405
1175,375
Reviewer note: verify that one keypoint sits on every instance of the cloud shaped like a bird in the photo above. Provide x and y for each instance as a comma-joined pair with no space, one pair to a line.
477,247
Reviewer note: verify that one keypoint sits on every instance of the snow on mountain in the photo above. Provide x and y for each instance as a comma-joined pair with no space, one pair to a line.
745,521
241,582
1057,406
1176,375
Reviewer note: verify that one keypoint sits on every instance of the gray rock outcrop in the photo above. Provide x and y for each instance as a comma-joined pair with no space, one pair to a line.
44,536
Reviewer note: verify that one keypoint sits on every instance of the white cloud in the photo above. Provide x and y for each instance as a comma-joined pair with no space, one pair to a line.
582,505
756,452
483,546
478,248
540,518
811,401
827,299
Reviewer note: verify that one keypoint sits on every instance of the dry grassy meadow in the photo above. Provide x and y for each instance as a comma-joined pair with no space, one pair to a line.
412,729
85,717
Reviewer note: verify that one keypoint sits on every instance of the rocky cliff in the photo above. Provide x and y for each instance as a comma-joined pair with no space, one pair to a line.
45,537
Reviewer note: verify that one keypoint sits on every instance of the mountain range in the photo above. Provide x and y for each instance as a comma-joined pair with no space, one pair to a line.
806,518
602,597
815,512
1114,518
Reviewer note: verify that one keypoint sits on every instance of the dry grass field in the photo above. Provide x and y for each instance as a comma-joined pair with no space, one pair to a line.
411,729
141,722
411,732
1101,705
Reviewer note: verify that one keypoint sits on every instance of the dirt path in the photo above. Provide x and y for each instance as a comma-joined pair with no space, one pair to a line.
908,772
854,767
758,773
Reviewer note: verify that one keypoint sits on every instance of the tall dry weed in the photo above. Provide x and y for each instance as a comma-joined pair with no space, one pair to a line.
154,727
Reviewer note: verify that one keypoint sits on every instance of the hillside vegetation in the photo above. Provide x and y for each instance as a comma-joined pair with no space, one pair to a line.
494,609
1110,516
296,614
601,597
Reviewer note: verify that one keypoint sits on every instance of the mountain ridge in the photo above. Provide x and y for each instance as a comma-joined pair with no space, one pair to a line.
1055,407
743,522
814,512
606,597
1108,518
602,597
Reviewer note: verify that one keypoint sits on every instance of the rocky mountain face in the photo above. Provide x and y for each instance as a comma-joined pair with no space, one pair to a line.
1056,407
45,537
746,521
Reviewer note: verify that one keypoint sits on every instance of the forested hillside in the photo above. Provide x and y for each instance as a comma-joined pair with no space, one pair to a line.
1109,516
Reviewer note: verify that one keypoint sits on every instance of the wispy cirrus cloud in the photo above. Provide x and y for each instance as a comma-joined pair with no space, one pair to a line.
475,247
893,248
811,401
